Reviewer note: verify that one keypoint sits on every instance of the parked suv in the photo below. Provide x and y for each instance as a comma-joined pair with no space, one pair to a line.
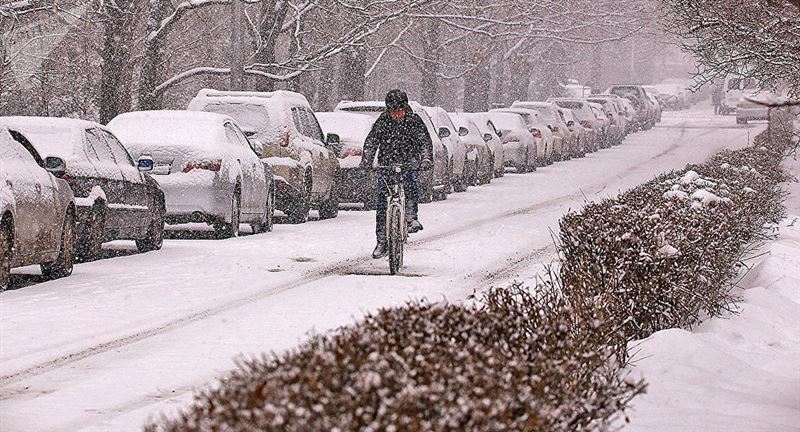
37,211
645,115
115,201
304,160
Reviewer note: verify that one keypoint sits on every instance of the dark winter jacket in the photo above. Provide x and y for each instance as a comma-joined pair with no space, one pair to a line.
397,142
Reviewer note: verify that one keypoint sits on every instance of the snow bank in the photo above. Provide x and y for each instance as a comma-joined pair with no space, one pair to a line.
739,373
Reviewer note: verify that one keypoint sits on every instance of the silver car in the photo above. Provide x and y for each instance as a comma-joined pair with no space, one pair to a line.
209,171
37,211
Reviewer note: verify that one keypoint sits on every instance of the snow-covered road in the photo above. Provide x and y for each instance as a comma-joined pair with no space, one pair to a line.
132,336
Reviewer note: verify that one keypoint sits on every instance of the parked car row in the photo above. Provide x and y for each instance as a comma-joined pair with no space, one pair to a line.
232,158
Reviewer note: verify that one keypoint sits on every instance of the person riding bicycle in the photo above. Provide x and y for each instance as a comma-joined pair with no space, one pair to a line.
399,137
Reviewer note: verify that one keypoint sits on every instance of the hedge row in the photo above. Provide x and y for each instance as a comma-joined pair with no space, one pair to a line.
549,359
668,253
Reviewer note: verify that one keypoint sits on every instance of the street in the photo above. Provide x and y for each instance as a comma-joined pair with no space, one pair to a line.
130,337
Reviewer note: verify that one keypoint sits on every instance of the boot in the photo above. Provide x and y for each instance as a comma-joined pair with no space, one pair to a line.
380,251
414,226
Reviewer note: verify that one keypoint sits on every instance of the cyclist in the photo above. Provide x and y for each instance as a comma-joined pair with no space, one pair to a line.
399,137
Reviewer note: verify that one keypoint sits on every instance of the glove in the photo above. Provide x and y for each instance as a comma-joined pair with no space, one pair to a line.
425,165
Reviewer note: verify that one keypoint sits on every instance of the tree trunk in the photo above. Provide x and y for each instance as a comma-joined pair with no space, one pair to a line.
431,65
353,83
476,84
115,71
152,72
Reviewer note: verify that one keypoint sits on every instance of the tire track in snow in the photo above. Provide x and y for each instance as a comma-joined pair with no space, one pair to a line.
335,269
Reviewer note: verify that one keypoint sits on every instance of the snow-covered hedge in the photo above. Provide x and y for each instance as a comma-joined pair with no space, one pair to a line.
667,253
513,361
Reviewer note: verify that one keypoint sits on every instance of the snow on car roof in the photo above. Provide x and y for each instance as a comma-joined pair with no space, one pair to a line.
351,127
253,97
169,128
51,136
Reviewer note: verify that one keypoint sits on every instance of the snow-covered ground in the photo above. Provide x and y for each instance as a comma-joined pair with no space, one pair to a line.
132,336
741,373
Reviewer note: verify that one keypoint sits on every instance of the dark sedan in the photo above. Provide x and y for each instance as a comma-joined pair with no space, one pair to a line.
114,200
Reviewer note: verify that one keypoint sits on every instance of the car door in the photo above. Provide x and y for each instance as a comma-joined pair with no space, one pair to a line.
135,195
328,163
253,174
32,188
109,178
313,147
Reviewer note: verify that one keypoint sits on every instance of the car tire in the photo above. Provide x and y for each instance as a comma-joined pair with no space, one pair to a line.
329,208
62,266
426,193
6,248
155,232
297,212
91,245
231,229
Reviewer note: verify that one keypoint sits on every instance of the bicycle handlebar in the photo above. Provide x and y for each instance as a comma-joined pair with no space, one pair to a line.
398,168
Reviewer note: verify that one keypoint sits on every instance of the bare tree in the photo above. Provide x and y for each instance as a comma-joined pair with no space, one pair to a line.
750,38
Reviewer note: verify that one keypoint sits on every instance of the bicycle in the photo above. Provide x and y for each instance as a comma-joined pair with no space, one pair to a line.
396,228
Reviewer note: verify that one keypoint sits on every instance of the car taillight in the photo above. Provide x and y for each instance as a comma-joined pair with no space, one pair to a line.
203,165
536,133
285,139
347,152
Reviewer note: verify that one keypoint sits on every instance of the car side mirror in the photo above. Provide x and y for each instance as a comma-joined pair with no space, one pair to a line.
462,131
571,123
499,134
555,128
334,142
248,133
55,165
257,146
487,137
444,132
145,163
610,115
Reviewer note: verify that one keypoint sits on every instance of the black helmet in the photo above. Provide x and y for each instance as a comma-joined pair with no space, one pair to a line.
396,99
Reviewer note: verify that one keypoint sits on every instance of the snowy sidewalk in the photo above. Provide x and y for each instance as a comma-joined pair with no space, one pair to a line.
735,374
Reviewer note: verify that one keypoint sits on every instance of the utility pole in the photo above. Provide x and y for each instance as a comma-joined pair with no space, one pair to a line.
237,46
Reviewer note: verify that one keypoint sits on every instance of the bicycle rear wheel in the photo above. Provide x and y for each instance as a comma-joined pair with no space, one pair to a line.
395,239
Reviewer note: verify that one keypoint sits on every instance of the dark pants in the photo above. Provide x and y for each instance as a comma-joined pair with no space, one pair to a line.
411,186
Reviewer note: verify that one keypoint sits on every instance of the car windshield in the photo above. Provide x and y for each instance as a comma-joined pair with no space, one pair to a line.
250,117
507,121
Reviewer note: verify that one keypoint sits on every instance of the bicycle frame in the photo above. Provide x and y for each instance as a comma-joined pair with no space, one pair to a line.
396,228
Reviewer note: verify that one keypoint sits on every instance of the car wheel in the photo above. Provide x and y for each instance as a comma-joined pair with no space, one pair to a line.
228,230
91,244
155,233
5,254
270,225
329,208
62,266
426,193
297,212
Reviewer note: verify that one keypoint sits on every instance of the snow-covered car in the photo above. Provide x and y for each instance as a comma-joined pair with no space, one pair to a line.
519,144
436,183
462,162
209,171
492,139
115,200
548,144
675,96
645,113
617,107
586,118
303,159
615,129
753,103
355,184
549,113
655,100
603,124
575,128
476,144
37,211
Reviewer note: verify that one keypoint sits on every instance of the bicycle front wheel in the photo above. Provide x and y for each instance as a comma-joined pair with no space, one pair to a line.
395,239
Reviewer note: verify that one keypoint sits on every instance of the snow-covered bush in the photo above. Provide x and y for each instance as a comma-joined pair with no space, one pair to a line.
514,361
667,253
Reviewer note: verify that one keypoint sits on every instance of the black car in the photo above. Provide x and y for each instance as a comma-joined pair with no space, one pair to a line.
115,200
